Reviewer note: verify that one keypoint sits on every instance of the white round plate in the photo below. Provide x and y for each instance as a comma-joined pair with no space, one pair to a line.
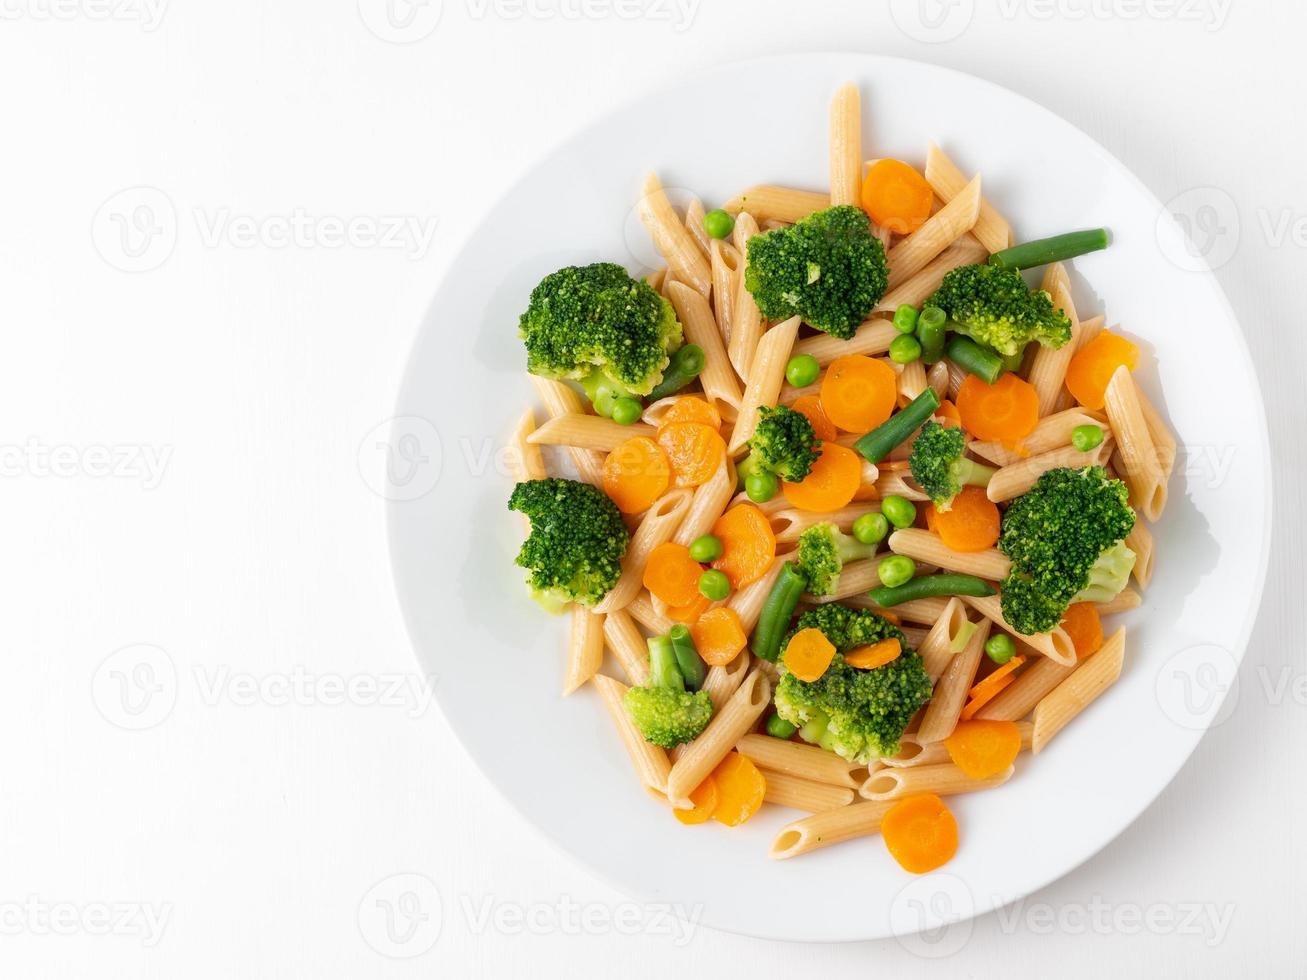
498,659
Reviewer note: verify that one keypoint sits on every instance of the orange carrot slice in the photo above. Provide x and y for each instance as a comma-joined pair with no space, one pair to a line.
896,196
704,798
985,691
874,655
688,408
1006,411
808,654
834,480
971,524
748,544
740,789
858,392
1082,624
983,749
636,474
719,636
672,575
809,406
948,413
920,833
1094,364
695,451
689,613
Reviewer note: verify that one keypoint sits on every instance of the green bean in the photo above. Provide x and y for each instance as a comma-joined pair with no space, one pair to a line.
1055,249
925,586
714,585
974,359
899,511
778,727
686,365
1013,362
905,319
896,570
706,547
687,657
931,331
776,612
878,443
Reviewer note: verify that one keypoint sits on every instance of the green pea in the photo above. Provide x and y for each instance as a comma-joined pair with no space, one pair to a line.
718,223
761,486
899,511
1086,437
707,547
778,727
905,318
1000,648
802,370
870,528
627,411
896,570
714,585
905,349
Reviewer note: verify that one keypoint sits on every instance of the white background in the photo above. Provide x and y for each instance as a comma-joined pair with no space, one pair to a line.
189,464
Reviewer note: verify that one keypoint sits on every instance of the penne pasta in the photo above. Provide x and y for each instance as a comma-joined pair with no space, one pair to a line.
830,827
846,146
651,763
1055,645
913,751
707,504
701,756
788,524
656,527
872,337
805,761
1136,452
945,705
526,460
725,261
1016,478
918,287
934,649
1164,444
694,224
928,547
718,376
1047,373
1140,541
722,682
587,432
1077,692
1052,432
912,380
899,484
855,578
947,181
941,230
1019,698
802,794
912,611
643,612
674,242
766,374
624,639
1089,329
767,202
585,648
746,319
748,601
1123,601
945,779
560,400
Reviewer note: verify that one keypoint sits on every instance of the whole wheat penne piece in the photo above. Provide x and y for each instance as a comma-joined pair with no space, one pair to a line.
748,601
806,761
941,230
1048,366
696,316
1137,453
945,779
831,827
947,181
846,146
650,762
872,337
950,694
585,648
643,612
1017,478
561,400
1077,692
768,202
694,224
929,547
746,318
701,756
656,527
803,794
934,649
624,639
1052,432
1055,644
707,504
766,374
672,239
1019,698
527,461
725,260
1140,541
587,432
918,287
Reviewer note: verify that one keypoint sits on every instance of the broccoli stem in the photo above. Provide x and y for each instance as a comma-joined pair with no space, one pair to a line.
851,549
686,365
687,657
776,612
973,474
663,668
926,586
971,357
1055,249
878,443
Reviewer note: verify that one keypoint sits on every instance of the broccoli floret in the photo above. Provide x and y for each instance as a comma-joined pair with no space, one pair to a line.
823,552
828,268
858,714
939,467
665,712
577,540
596,325
1065,539
993,306
783,443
